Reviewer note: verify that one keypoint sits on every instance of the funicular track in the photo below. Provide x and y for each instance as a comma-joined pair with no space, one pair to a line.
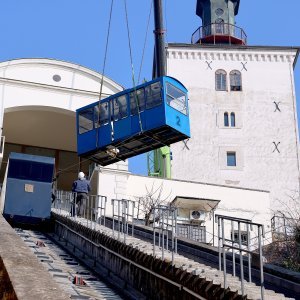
275,280
73,229
77,280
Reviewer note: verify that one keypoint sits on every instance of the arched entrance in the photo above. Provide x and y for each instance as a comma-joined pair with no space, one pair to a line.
46,131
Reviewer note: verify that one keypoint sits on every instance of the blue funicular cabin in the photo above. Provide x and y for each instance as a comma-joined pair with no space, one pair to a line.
28,188
134,121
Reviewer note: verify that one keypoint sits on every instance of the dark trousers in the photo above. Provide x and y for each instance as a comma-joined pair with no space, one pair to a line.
79,204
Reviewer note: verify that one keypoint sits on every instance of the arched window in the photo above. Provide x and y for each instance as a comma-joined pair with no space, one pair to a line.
221,84
235,80
232,119
226,119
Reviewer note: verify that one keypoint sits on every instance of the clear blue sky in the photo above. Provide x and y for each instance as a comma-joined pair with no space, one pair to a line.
75,31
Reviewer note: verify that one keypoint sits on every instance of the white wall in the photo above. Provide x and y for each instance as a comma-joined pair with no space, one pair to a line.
234,202
268,78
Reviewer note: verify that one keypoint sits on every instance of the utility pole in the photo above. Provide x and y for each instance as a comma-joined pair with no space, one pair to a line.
159,32
160,163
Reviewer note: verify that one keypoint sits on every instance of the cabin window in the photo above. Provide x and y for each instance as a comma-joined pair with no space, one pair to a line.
153,95
221,84
137,96
176,98
29,170
103,117
120,108
235,80
86,120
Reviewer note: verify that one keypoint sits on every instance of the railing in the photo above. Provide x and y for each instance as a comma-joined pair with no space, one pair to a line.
123,214
92,208
283,228
165,226
219,30
237,242
193,232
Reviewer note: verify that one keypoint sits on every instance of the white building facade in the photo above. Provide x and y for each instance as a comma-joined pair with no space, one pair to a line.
244,129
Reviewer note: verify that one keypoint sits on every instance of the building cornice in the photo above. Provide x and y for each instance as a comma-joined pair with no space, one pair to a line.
233,53
232,47
296,58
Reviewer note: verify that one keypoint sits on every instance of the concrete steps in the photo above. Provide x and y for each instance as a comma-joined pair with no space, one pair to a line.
212,275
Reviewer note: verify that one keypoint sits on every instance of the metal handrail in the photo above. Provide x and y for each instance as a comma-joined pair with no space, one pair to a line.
223,247
219,29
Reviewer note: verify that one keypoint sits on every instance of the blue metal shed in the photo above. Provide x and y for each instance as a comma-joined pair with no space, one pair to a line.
28,188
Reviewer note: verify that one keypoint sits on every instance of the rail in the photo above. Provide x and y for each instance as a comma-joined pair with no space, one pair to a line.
233,33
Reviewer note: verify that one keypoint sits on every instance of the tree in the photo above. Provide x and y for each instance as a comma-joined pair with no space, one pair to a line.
153,198
285,247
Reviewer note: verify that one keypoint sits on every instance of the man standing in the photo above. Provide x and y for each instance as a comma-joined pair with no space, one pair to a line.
81,187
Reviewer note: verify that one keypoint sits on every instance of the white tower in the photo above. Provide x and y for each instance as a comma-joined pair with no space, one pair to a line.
242,108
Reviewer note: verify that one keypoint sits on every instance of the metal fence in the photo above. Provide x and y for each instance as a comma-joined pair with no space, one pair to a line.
193,232
237,242
165,230
283,228
123,214
92,208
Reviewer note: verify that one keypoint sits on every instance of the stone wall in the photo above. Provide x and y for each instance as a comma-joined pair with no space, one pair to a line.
134,269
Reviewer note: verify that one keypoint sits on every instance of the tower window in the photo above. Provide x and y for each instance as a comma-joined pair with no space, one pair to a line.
219,11
221,84
231,159
232,119
226,119
235,80
219,26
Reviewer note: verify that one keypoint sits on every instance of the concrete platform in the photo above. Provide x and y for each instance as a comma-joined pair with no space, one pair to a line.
22,276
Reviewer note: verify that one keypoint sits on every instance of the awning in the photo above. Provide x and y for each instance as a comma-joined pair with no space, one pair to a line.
191,203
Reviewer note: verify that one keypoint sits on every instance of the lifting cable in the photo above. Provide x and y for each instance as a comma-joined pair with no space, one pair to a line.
100,92
133,79
145,41
103,71
132,69
166,20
